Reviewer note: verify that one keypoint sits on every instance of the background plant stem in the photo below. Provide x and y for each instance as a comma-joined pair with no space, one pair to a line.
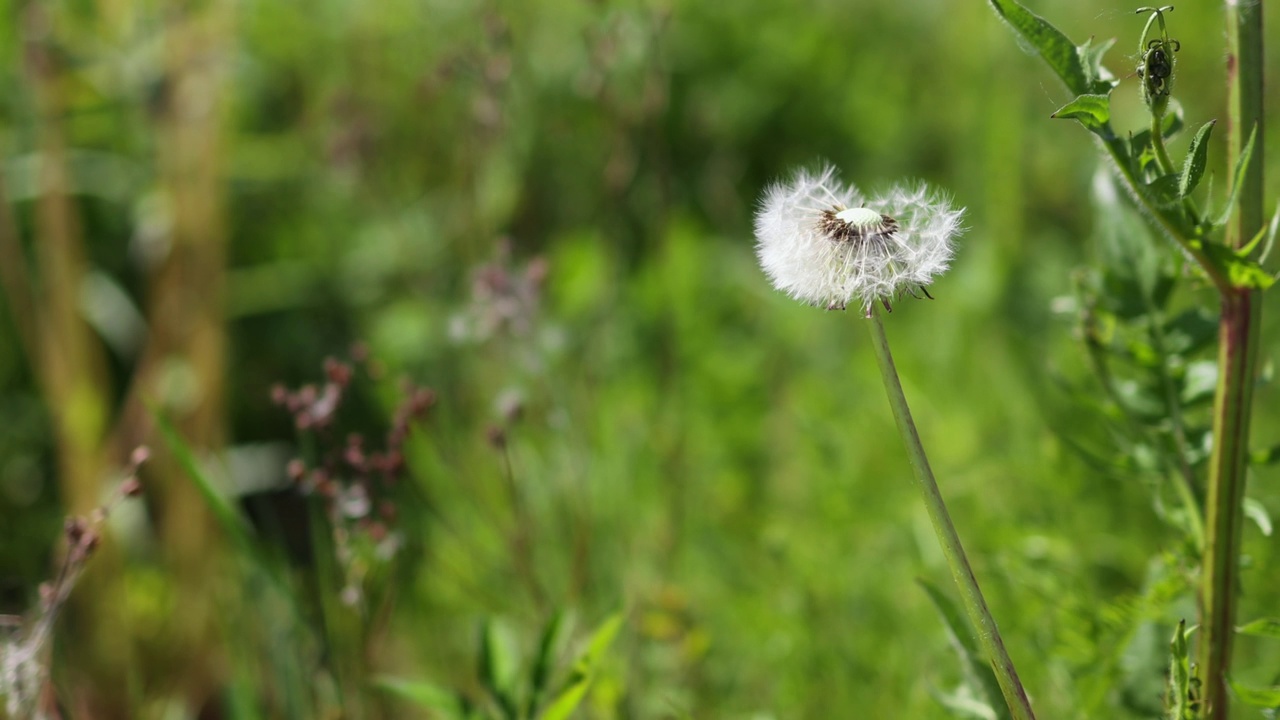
974,604
1237,363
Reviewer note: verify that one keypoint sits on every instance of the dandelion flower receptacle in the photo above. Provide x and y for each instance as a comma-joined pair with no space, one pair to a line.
825,243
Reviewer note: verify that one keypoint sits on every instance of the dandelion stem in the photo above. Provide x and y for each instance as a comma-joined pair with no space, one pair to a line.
971,594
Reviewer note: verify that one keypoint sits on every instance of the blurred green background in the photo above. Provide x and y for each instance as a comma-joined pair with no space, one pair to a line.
205,199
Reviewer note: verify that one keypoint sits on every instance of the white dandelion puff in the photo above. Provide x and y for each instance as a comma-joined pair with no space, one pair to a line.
825,243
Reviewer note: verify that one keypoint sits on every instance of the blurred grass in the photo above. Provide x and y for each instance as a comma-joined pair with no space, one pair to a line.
694,447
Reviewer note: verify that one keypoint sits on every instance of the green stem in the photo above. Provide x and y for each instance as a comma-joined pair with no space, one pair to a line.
1237,365
970,593
1166,164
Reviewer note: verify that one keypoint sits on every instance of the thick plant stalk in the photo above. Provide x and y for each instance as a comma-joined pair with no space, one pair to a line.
1237,366
974,604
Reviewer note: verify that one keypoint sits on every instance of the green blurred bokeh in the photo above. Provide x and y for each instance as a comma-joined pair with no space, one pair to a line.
694,448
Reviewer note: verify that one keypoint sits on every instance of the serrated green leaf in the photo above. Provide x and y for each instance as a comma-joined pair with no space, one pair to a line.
977,672
1257,512
1257,697
422,694
1197,159
1262,627
1237,179
1063,57
1092,111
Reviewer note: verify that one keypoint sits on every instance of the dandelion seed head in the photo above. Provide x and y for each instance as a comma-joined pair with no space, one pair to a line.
826,243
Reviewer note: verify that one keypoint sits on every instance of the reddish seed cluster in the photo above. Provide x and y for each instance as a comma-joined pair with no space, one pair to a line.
504,298
351,473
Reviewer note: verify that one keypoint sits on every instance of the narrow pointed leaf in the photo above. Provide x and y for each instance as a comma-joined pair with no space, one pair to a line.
549,648
229,517
584,670
1197,159
499,664
1257,512
421,694
1263,627
1257,697
977,672
1237,179
1266,237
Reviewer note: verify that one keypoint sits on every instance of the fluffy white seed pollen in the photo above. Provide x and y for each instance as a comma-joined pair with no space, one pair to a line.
825,243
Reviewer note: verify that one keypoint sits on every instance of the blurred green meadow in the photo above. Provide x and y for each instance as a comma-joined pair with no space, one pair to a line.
543,212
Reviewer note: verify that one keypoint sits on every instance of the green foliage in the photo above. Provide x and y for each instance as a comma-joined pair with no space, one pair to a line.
1197,160
680,441
979,694
1183,686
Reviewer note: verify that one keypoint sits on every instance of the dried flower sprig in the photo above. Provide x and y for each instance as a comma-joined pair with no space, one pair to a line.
23,663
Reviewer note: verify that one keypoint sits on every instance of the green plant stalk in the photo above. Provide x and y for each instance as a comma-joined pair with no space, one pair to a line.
1237,365
974,604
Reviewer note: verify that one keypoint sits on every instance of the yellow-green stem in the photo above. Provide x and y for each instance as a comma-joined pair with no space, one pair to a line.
971,595
1237,366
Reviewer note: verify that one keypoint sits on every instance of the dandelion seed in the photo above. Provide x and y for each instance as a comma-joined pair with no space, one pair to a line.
825,243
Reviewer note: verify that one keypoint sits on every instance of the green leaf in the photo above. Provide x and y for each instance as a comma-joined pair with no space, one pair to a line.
1241,272
1163,191
584,670
1091,58
599,642
1197,159
499,664
1257,512
228,516
1257,697
1263,627
422,694
549,647
1059,52
1272,229
1237,179
1268,234
977,673
1092,111
962,703
1265,457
